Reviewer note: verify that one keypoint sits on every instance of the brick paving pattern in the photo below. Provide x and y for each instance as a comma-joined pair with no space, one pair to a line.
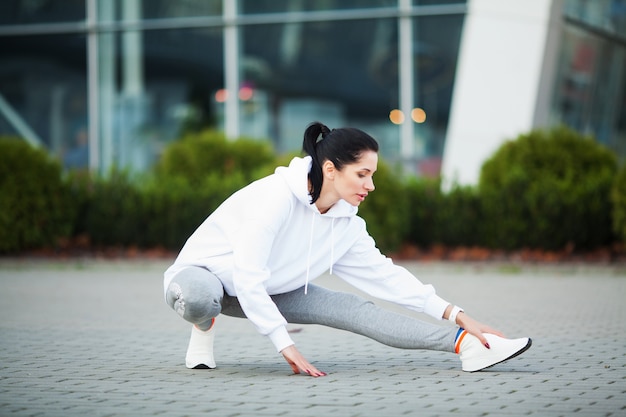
95,338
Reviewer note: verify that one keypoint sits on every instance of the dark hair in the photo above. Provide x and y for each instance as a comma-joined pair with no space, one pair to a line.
342,146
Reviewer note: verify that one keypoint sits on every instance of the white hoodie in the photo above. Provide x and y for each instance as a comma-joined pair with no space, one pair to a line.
268,239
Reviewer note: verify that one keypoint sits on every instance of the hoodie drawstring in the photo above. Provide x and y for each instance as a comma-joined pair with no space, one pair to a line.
332,251
308,260
332,246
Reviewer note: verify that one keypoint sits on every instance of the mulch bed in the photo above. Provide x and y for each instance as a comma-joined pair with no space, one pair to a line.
81,248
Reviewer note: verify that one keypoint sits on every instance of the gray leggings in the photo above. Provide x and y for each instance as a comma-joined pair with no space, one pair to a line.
198,295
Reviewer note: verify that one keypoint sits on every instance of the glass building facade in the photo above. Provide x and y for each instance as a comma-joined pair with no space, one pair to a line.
102,83
590,92
111,82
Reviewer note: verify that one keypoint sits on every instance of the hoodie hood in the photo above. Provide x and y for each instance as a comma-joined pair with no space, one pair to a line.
296,175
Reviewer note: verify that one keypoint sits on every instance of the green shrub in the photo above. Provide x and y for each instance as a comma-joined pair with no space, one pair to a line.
174,207
80,185
425,200
113,212
196,156
193,177
450,219
460,218
548,189
618,198
35,203
386,209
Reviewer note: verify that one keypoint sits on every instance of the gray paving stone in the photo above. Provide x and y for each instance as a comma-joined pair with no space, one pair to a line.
96,339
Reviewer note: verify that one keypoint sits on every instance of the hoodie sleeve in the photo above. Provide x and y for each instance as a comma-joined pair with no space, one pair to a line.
252,245
364,267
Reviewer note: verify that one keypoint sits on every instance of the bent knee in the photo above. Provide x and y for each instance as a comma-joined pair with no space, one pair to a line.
191,306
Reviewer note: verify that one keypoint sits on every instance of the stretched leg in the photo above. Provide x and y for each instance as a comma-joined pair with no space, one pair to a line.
355,314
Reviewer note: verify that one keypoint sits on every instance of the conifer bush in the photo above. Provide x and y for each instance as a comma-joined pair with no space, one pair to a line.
548,189
198,155
618,199
172,208
425,200
36,208
192,178
451,218
114,214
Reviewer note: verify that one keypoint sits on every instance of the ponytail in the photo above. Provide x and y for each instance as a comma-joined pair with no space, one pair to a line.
309,145
339,146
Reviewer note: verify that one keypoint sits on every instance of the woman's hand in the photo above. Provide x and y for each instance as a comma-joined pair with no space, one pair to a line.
298,363
476,328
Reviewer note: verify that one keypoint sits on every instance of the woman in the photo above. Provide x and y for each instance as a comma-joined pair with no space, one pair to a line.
257,254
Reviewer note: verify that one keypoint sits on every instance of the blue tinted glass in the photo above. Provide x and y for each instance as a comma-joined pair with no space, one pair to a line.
341,72
437,2
44,84
19,12
283,6
159,9
608,15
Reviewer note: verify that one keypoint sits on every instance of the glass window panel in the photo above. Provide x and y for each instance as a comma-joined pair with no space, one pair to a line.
437,2
589,91
436,42
341,73
159,9
43,84
20,12
120,10
284,6
154,86
609,15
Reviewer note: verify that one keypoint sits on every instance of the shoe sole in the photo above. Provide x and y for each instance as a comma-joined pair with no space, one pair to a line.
519,352
201,366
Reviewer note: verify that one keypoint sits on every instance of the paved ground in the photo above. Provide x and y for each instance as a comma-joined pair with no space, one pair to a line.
96,339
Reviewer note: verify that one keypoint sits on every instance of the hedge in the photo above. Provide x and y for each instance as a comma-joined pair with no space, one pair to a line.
547,189
618,199
36,207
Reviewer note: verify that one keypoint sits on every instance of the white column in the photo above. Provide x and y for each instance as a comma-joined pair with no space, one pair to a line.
102,104
132,47
93,90
231,69
134,105
406,87
504,75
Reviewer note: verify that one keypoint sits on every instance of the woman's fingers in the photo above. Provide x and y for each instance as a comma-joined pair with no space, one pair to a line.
315,372
299,363
477,329
295,368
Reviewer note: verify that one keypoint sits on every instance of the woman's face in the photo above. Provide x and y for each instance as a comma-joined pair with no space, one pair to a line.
355,181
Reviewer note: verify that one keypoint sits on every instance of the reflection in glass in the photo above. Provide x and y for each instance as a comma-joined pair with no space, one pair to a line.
436,42
437,2
590,90
151,82
159,9
341,73
21,12
155,86
607,15
285,6
44,92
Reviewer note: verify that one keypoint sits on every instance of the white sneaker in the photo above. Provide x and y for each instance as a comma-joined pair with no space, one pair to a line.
475,356
200,349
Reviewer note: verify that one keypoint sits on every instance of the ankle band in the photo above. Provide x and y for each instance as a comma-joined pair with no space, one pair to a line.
459,338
